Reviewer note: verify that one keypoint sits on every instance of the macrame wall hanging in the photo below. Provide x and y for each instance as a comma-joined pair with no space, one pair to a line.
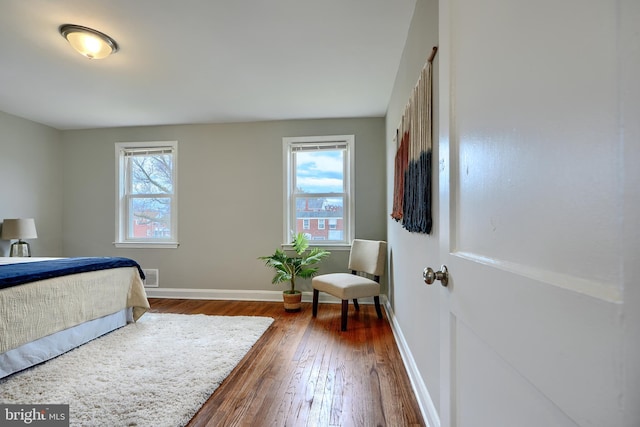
412,170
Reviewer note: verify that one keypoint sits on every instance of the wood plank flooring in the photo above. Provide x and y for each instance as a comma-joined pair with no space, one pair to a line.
305,372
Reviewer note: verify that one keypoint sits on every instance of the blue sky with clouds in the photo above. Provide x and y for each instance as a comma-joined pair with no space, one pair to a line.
320,171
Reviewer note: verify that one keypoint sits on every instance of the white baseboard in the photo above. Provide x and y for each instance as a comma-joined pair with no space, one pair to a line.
214,294
428,409
233,294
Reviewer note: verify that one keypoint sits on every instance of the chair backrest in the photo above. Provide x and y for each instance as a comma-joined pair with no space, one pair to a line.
368,256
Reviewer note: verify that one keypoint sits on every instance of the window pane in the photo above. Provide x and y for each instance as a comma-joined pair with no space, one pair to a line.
320,209
146,211
319,188
320,171
149,218
151,174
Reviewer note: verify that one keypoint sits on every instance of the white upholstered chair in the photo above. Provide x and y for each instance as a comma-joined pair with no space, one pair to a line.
367,256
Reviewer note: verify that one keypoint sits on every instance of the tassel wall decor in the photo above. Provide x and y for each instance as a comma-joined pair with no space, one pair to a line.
413,169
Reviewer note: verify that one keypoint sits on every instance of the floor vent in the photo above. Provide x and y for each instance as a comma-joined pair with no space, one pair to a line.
151,277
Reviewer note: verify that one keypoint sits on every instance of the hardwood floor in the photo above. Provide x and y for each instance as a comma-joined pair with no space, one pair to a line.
305,372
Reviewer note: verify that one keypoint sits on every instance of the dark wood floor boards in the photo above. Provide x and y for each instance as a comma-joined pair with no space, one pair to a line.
305,372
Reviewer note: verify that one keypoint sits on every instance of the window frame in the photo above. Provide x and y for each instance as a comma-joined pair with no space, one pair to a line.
289,144
123,197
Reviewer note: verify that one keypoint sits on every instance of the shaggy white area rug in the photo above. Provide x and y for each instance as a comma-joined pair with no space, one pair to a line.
156,372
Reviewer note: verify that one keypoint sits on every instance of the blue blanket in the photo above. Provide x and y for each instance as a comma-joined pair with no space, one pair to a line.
17,274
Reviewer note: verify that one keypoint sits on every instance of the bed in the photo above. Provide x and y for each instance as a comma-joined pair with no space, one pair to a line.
51,305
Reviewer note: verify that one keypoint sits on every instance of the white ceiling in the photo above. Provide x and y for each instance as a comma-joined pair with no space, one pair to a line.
201,61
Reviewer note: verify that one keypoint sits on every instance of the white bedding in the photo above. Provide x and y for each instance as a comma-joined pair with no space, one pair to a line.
53,345
39,309
18,260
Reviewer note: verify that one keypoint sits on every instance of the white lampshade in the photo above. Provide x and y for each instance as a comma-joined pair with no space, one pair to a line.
23,228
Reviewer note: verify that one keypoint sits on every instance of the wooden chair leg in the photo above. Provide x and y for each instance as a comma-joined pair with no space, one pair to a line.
355,304
315,302
345,310
376,300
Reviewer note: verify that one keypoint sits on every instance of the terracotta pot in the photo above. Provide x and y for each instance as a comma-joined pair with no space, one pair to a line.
292,302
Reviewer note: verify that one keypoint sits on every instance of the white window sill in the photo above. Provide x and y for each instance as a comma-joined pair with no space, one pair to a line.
328,246
146,245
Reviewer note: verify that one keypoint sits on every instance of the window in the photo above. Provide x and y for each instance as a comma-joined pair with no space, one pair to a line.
319,186
146,204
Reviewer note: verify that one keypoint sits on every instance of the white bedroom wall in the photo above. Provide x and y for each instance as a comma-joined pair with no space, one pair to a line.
31,181
230,197
416,309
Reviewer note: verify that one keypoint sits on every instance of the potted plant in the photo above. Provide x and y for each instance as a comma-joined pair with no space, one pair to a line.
288,268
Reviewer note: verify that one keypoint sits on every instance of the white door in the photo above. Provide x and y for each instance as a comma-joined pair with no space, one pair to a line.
539,213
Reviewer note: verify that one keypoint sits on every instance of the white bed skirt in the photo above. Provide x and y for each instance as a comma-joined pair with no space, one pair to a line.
53,345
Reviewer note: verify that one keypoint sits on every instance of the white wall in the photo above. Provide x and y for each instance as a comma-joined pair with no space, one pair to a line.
230,197
415,308
31,181
629,66
616,67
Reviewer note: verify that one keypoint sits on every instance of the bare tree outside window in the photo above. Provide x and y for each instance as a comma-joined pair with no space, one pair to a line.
151,181
147,199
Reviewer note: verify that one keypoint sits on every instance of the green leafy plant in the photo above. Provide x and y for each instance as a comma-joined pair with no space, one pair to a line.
288,268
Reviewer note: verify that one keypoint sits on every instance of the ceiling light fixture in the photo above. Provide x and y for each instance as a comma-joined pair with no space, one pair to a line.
89,42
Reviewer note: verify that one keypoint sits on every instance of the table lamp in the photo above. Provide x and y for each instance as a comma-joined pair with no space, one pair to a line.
23,228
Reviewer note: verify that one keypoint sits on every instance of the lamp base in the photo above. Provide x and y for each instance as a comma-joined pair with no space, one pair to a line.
20,249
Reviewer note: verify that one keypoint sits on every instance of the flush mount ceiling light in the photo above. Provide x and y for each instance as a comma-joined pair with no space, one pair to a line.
89,42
